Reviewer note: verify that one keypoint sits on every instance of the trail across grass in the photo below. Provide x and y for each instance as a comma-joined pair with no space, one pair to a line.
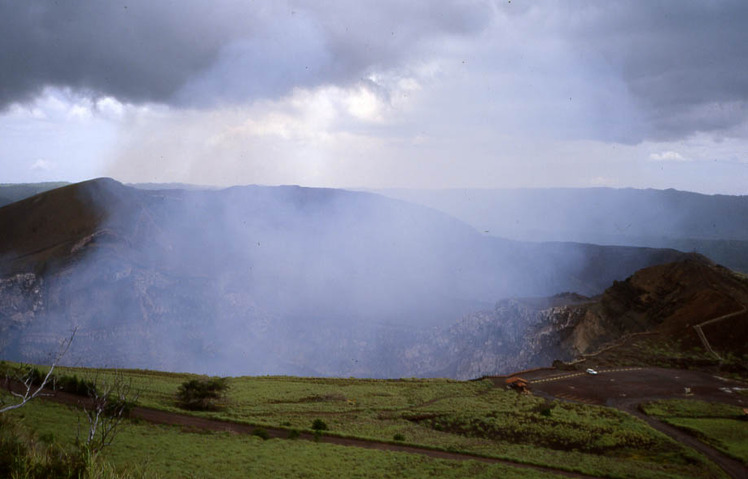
470,417
150,450
722,426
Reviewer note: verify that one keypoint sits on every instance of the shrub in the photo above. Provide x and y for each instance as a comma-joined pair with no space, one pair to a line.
35,375
22,455
319,425
13,451
293,434
75,385
204,394
261,433
398,437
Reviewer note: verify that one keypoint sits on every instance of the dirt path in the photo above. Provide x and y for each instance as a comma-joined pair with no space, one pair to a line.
189,422
626,388
702,336
733,468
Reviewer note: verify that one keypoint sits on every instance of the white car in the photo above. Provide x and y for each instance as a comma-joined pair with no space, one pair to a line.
591,371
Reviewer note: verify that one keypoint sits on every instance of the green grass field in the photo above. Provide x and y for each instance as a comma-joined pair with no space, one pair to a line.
147,450
720,425
473,417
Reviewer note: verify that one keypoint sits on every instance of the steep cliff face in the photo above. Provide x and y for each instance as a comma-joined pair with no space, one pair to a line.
21,300
517,334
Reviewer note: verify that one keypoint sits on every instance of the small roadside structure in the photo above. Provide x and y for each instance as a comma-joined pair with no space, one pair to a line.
518,384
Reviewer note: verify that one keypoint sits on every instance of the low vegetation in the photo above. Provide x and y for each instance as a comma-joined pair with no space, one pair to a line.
202,394
473,417
723,426
24,454
561,426
70,383
149,451
319,425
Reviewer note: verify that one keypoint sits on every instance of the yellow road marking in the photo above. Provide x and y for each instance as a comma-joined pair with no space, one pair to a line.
574,375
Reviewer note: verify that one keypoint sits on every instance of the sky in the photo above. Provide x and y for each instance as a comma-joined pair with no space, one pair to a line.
377,94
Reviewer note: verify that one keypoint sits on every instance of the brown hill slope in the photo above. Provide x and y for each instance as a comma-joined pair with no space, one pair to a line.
54,225
651,318
691,313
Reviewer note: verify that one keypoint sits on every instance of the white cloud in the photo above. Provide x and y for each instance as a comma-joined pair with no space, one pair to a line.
601,181
109,107
306,138
80,112
42,165
667,156
364,104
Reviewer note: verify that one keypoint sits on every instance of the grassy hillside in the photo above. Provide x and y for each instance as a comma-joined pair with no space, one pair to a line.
720,425
471,417
145,450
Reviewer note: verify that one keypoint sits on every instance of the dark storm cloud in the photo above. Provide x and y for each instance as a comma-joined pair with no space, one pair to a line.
684,62
129,51
190,52
651,70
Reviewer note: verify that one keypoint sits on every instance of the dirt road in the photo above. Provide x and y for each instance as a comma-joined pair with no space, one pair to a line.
627,388
189,422
624,389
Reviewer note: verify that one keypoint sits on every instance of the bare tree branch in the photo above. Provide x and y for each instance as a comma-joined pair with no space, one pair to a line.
110,402
29,389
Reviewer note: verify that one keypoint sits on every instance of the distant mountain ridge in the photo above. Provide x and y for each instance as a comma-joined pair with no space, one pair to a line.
713,225
261,280
12,192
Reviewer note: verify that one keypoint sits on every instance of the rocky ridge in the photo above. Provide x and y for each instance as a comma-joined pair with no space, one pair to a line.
286,280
